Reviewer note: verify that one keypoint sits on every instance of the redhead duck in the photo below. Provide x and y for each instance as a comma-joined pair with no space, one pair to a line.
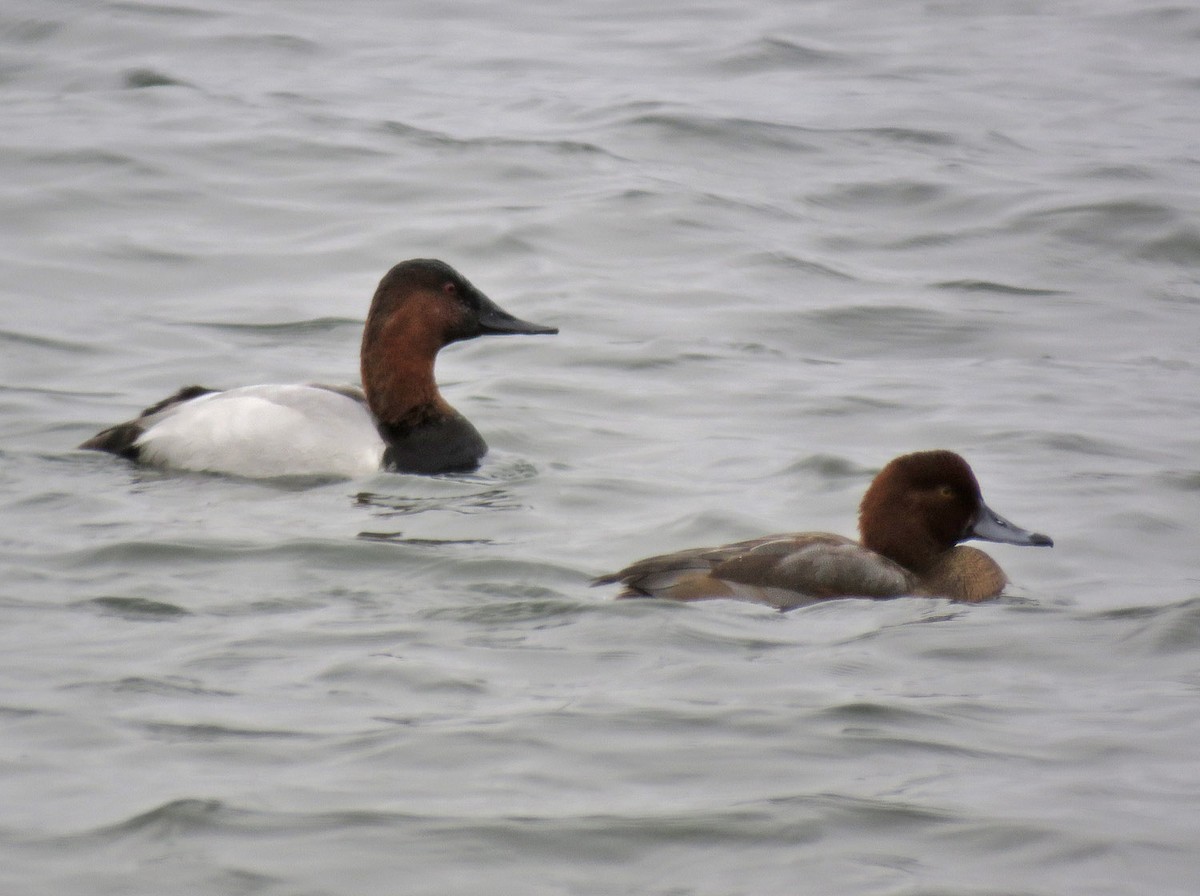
912,518
397,421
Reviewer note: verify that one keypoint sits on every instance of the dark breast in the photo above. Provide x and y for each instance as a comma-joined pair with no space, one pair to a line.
448,445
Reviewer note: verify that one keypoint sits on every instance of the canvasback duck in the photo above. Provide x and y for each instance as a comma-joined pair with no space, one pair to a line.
912,518
397,421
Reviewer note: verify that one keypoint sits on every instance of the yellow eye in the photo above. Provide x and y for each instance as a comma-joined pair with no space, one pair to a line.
946,491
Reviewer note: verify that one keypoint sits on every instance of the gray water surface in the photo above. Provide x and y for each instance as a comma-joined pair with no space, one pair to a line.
784,242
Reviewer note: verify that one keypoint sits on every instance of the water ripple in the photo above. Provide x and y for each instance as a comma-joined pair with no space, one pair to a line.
138,608
775,53
141,78
988,286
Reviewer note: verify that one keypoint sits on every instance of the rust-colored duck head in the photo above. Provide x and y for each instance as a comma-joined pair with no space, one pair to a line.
420,306
923,504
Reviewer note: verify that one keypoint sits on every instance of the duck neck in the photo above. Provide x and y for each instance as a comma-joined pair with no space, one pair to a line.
918,556
397,376
885,524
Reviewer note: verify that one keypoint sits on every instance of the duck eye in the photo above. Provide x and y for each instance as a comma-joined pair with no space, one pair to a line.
450,289
946,491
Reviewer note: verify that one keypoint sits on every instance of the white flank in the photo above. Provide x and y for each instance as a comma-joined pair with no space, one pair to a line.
265,431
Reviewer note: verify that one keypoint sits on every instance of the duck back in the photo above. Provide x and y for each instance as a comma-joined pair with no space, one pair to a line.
122,439
784,571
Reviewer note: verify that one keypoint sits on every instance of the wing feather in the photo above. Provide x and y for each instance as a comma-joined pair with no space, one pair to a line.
781,570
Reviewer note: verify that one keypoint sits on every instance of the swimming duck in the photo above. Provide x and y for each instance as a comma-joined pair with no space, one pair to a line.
912,518
397,421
